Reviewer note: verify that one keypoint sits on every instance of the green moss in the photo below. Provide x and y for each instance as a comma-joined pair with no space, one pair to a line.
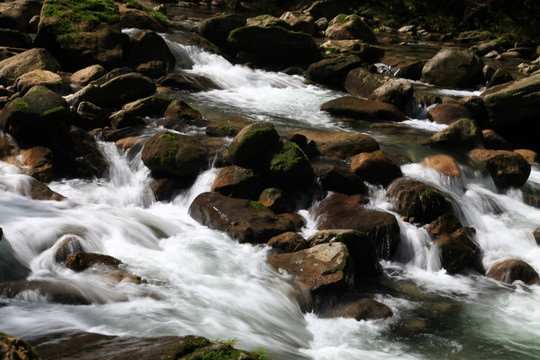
225,130
342,18
289,156
257,205
224,354
52,111
22,104
261,354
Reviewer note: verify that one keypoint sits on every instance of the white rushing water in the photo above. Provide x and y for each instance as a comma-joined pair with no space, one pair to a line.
201,282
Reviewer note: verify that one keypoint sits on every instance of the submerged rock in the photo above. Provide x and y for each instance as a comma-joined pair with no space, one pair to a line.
81,261
362,309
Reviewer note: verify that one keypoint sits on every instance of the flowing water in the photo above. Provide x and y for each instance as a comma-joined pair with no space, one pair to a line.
199,281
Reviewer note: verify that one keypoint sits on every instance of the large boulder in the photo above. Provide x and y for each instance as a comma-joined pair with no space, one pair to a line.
244,220
39,114
513,111
33,59
17,14
335,176
360,109
168,154
238,182
147,46
87,74
126,88
287,166
338,211
249,147
375,167
330,8
273,45
332,71
81,33
367,52
448,113
398,92
339,145
454,67
444,164
300,21
417,201
38,77
509,271
348,27
507,168
463,133
324,268
217,28
362,82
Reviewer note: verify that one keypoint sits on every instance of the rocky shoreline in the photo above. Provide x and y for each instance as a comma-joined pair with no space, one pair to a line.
68,75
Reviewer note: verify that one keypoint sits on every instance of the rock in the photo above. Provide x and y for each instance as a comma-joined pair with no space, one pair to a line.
267,21
126,88
17,14
322,268
409,70
366,52
454,67
147,46
244,220
90,116
250,145
187,82
509,271
276,200
180,110
217,28
332,71
330,8
477,109
338,211
362,82
79,33
501,76
228,126
513,110
33,59
38,162
288,242
536,235
443,225
12,348
360,109
237,182
375,167
397,92
154,105
83,159
363,255
457,251
300,21
448,113
271,45
335,176
347,27
507,168
39,114
180,156
529,155
494,141
322,24
122,119
340,145
463,133
140,18
362,309
15,39
39,191
443,164
44,78
287,166
54,291
65,246
81,261
417,201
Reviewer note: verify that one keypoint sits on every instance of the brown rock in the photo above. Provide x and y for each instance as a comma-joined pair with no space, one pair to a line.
444,164
39,191
457,251
509,271
81,261
448,113
494,141
276,200
347,27
288,242
362,309
507,168
362,82
235,181
38,162
336,176
33,59
464,133
227,126
529,155
38,77
375,167
87,74
360,109
454,67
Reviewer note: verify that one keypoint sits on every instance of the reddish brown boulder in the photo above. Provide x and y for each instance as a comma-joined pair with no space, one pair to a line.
360,109
507,168
188,82
375,167
335,176
463,133
81,261
454,67
362,309
529,155
448,113
494,141
235,181
444,164
509,271
288,242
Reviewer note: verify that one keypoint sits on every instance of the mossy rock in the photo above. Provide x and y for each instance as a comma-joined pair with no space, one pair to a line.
288,166
251,144
348,27
15,348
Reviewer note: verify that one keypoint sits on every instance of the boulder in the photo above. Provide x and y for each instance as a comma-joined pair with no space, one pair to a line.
324,268
366,52
147,46
154,105
274,45
339,211
80,156
330,8
444,164
277,200
168,154
529,155
15,39
362,82
454,67
360,310
44,78
288,242
187,82
332,71
228,126
81,261
251,144
122,119
375,167
29,60
494,141
300,21
509,271
457,250
126,88
417,201
237,182
244,220
463,133
217,28
180,110
39,114
340,145
67,245
39,191
513,111
80,33
507,168
17,14
360,109
266,21
338,177
501,76
140,18
69,294
287,166
348,27
397,92
38,162
360,247
12,348
477,109
90,116
448,113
